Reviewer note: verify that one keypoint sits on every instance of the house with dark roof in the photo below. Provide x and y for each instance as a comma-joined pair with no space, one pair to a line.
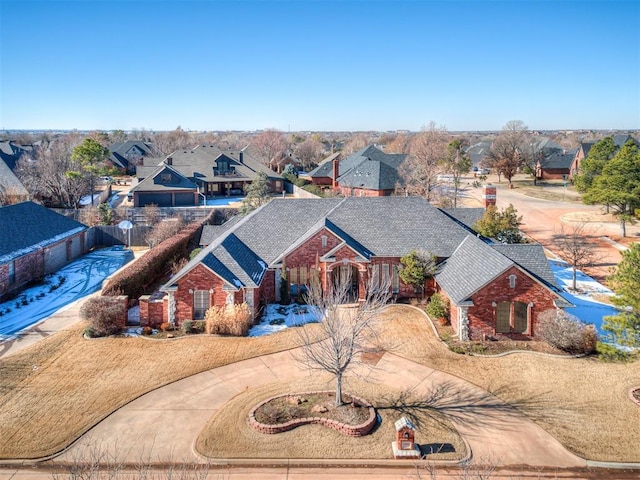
555,165
494,290
369,172
127,155
185,176
35,241
580,155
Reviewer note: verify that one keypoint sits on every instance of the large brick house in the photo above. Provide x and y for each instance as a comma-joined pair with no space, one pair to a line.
35,241
493,289
369,172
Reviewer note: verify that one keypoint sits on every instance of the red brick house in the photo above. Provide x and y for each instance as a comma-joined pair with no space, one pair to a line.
35,241
367,173
311,240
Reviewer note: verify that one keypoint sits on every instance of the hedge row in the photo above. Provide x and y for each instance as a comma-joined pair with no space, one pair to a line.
144,272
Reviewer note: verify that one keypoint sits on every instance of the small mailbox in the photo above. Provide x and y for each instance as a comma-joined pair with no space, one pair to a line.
405,446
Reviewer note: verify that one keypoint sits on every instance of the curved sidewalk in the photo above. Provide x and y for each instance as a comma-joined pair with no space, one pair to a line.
163,425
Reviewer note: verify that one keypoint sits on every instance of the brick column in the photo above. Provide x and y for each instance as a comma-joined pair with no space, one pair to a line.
489,195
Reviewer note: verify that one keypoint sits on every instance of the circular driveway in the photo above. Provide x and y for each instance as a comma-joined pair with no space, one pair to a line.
163,425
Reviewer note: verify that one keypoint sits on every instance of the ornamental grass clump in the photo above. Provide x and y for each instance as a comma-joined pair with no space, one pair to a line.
229,319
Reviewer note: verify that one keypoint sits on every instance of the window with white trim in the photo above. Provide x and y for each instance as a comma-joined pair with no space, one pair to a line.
375,275
324,240
200,304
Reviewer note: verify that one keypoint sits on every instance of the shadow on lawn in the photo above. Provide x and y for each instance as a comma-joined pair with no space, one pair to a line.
472,406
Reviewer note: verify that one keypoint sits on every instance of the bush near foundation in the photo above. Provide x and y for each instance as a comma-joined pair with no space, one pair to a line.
104,315
229,319
137,277
566,332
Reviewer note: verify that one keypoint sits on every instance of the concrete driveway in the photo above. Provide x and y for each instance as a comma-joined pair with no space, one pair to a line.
163,425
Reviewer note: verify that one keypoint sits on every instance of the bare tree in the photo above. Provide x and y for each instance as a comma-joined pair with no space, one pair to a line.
344,333
355,143
49,177
398,144
577,246
426,152
308,152
271,143
169,142
507,151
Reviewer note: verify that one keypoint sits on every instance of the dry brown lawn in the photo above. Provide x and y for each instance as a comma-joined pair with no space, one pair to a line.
228,434
583,402
55,390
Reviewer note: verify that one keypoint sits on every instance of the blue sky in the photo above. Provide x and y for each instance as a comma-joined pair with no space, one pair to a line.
319,65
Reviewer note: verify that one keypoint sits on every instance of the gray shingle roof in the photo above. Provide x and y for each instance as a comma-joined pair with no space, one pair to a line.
155,183
558,160
27,227
8,181
211,232
325,168
531,257
393,226
466,216
472,266
119,151
382,226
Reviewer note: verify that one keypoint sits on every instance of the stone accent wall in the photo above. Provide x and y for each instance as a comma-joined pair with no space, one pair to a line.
527,290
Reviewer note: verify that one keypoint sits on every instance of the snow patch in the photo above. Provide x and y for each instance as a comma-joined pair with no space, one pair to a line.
278,317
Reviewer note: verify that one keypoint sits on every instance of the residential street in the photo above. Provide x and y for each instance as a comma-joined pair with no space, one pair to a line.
543,218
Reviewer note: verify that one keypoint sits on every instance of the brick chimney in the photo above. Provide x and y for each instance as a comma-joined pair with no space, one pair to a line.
336,171
169,161
241,157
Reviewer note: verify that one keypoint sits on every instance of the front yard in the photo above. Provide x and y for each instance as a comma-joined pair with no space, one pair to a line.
57,389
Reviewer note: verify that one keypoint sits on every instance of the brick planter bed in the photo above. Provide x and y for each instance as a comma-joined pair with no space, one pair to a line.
346,429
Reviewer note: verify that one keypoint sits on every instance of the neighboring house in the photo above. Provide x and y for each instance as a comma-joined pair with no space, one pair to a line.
11,152
367,173
34,242
127,155
581,154
203,171
11,188
494,289
478,152
327,171
166,187
555,165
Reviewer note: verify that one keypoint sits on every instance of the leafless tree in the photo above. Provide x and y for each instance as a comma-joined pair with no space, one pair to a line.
577,245
426,152
271,143
398,144
11,194
355,143
308,152
507,151
163,230
345,332
49,174
169,142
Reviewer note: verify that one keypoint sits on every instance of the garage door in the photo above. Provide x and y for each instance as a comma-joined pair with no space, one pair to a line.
160,199
184,200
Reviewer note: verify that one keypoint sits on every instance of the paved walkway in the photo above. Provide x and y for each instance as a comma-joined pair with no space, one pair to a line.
163,425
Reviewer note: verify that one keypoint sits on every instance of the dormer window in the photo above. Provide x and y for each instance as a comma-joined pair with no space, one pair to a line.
165,178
